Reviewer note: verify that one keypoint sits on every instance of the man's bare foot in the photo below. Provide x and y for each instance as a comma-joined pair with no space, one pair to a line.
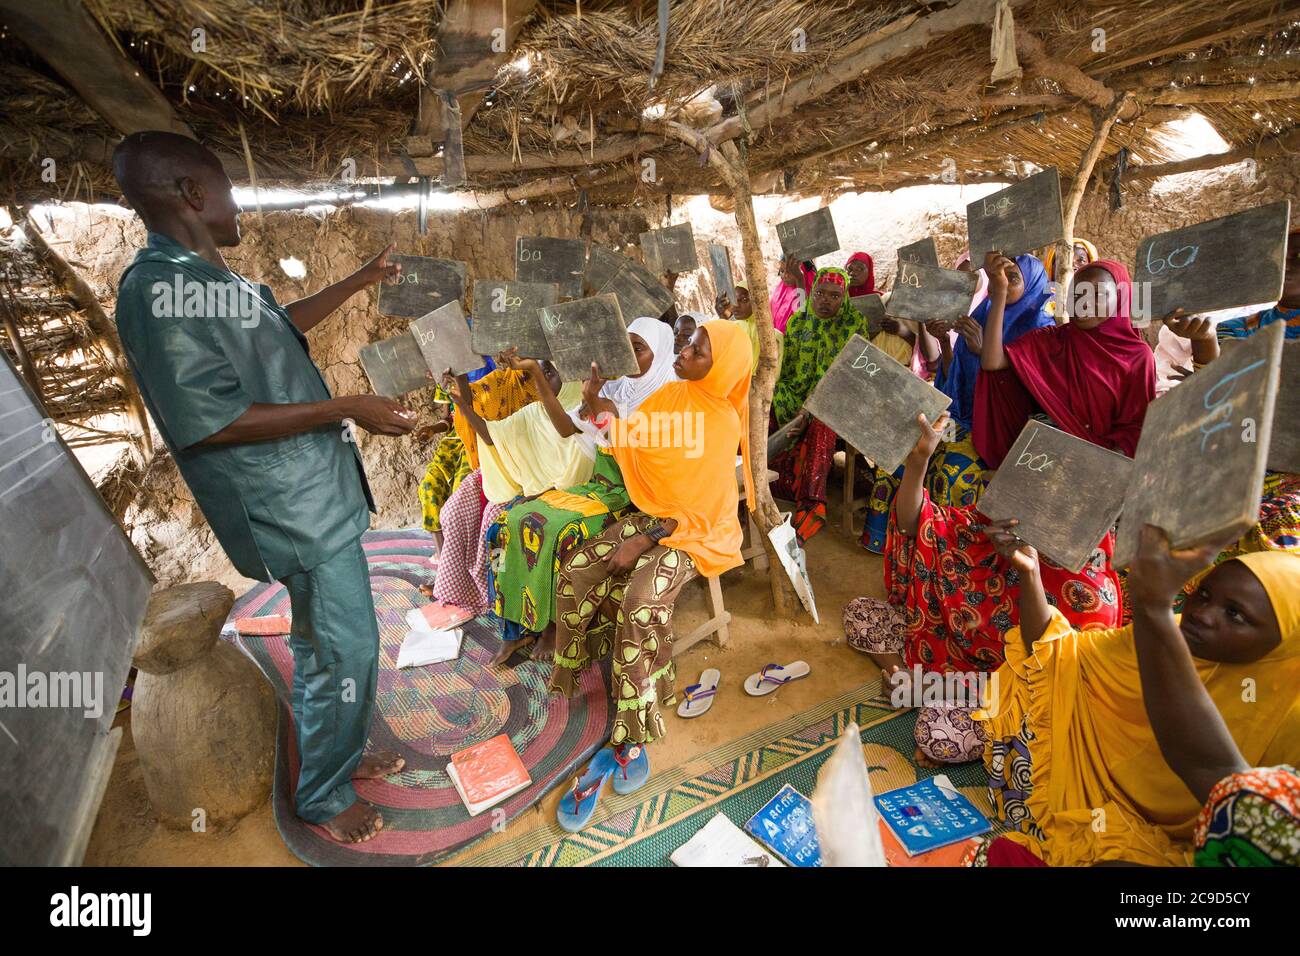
545,646
921,760
508,648
384,763
357,824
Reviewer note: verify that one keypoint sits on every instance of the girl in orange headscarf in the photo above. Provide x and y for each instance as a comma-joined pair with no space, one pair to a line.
678,458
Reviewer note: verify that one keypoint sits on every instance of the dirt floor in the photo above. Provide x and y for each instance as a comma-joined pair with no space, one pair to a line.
126,833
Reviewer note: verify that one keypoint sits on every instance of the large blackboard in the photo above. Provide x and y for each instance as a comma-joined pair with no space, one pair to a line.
1066,493
1018,219
75,596
808,236
546,259
443,338
1219,264
671,249
1284,448
395,366
922,251
720,261
424,285
873,308
871,401
585,331
1200,461
638,292
507,315
924,292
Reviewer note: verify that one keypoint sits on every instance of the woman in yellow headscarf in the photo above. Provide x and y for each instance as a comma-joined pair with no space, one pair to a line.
1084,252
1074,762
677,453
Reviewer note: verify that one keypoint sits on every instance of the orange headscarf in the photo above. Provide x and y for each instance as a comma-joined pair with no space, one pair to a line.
694,482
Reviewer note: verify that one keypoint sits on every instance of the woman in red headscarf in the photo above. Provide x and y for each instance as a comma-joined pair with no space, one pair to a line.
1094,377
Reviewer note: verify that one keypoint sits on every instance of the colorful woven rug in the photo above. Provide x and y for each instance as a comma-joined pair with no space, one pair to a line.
426,714
644,828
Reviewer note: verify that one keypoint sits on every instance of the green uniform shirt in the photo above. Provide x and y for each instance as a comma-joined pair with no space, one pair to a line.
205,344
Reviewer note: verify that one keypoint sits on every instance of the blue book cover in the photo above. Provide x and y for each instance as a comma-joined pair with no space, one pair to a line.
926,816
785,826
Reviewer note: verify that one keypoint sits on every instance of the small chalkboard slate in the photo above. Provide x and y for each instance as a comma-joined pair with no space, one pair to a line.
720,261
424,285
873,307
1018,219
871,401
1219,264
603,264
809,236
585,331
545,259
671,249
922,251
396,366
1066,493
443,339
638,292
507,315
1284,448
924,292
1200,461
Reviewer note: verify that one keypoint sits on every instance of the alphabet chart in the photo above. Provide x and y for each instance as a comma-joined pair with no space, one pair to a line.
547,259
1018,219
871,401
1200,462
1233,261
1066,493
424,285
506,315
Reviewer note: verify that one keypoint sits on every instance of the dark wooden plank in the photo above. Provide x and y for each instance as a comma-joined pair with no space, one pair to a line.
1200,462
808,236
424,285
638,292
443,339
547,259
1021,218
395,366
720,264
671,249
871,401
925,292
873,307
508,314
1066,493
923,251
75,597
1193,267
585,331
1284,447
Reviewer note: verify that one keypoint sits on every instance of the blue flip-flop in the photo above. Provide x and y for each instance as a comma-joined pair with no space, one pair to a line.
633,768
579,804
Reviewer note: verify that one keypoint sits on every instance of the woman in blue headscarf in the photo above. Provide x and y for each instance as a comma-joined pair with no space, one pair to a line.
957,475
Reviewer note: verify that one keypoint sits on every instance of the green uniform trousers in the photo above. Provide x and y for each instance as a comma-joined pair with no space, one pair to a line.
335,644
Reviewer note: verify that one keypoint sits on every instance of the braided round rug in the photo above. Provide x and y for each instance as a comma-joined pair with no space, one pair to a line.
426,714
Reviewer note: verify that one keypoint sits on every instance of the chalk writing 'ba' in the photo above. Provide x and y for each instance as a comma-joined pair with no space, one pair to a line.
1220,409
865,363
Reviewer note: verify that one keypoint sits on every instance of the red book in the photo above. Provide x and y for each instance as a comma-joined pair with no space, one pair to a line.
263,626
487,773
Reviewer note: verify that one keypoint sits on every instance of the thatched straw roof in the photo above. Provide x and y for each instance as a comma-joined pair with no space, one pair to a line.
304,85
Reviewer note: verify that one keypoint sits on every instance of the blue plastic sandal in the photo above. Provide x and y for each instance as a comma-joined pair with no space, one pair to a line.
633,768
579,804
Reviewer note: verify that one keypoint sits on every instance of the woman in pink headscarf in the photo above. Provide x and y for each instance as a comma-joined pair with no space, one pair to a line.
789,295
1093,377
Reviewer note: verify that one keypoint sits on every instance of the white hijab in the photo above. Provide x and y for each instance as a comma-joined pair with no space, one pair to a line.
628,393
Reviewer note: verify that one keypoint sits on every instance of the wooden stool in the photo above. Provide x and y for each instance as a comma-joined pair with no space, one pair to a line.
203,716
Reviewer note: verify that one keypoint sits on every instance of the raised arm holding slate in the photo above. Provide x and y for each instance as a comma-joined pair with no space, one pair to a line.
809,236
1019,219
424,285
1185,268
396,366
925,292
1065,492
922,251
871,401
443,339
508,315
1200,462
586,331
547,259
671,249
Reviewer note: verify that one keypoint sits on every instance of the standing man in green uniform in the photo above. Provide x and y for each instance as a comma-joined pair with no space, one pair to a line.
267,451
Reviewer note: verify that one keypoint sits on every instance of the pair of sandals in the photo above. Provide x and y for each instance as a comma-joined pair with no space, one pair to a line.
698,698
628,764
